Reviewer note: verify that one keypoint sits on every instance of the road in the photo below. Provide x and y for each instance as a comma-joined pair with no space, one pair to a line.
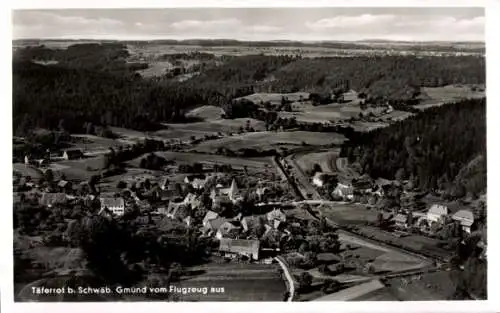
289,278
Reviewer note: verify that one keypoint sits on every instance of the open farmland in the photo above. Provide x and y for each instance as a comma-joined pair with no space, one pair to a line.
93,145
25,171
157,68
275,98
78,170
241,282
326,160
438,96
416,243
347,213
189,158
385,259
430,286
270,140
206,112
333,112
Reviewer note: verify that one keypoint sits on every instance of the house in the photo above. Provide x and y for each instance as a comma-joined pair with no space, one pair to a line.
114,205
275,217
226,228
211,215
318,179
197,181
437,213
50,199
248,222
72,154
401,220
192,200
363,183
466,219
234,247
188,220
345,191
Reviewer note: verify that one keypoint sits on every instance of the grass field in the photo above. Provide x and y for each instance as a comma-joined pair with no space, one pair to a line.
440,95
275,98
306,112
241,282
190,158
270,140
25,171
349,213
326,160
384,258
206,112
93,145
78,170
431,286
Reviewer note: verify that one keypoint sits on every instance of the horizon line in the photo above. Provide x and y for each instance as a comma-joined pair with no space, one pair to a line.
254,40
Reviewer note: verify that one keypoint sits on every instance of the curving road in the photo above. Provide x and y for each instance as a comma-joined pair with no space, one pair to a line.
288,275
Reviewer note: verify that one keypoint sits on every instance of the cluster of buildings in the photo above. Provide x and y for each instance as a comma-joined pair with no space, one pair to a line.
437,214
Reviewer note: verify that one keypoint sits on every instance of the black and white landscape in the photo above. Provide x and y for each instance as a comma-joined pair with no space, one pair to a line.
273,154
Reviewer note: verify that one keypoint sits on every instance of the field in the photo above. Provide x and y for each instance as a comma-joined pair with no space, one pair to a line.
190,158
270,140
93,145
206,112
396,116
349,213
241,282
384,259
431,286
440,95
78,170
415,243
334,112
156,68
275,98
24,170
326,160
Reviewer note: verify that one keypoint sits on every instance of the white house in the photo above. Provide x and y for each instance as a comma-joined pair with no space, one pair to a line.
115,205
275,217
466,219
318,179
344,191
437,213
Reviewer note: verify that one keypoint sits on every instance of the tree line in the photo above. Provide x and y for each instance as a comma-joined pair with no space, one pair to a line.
443,148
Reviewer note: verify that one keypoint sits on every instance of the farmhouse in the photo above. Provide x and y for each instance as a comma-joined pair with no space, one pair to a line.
234,247
211,215
115,205
466,219
227,229
198,182
72,154
401,221
437,213
50,199
321,179
344,191
276,217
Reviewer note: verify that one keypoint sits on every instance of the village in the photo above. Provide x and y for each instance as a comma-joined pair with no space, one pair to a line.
255,219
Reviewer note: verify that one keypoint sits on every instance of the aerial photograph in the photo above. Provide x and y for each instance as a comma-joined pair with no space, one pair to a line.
249,154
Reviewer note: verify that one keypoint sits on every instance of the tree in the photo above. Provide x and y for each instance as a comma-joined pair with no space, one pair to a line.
305,281
49,176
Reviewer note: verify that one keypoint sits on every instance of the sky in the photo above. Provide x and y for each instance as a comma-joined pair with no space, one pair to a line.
304,24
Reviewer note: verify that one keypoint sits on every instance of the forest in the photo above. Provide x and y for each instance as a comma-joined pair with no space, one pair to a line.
443,148
93,83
